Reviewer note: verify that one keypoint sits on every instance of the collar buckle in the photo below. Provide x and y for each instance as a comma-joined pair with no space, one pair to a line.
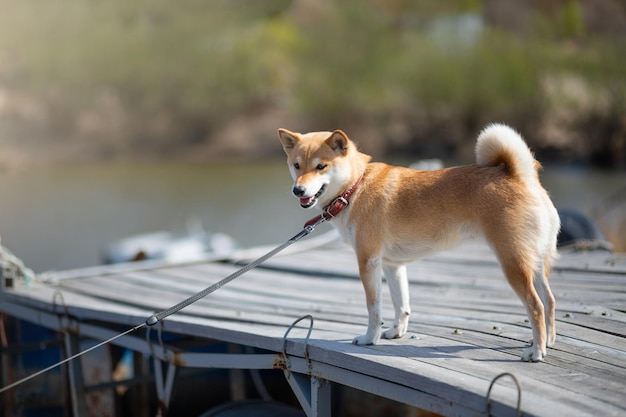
335,207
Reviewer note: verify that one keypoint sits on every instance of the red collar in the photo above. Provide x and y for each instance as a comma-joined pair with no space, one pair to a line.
336,206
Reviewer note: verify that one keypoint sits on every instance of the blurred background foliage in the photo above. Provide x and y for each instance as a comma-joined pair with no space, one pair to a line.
91,80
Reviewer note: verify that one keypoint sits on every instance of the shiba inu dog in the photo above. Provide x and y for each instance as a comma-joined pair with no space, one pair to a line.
396,215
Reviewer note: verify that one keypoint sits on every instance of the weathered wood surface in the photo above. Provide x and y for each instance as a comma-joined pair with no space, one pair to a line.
467,326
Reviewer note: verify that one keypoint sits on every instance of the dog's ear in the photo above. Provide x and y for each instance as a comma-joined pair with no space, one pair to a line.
338,142
288,139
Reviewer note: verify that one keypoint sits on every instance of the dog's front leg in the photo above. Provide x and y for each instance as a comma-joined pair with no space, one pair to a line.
399,288
370,270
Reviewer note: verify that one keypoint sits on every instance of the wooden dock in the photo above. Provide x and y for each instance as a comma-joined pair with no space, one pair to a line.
467,327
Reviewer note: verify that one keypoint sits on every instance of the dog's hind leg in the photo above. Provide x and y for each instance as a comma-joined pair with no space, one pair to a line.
370,269
520,275
399,289
542,286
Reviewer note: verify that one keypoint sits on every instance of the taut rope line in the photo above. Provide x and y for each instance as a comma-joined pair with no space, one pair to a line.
43,371
155,318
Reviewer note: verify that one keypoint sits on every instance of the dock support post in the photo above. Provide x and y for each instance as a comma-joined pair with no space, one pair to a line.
236,378
75,375
320,396
312,392
141,401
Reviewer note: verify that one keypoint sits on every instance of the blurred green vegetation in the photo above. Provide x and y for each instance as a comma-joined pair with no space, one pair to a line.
155,76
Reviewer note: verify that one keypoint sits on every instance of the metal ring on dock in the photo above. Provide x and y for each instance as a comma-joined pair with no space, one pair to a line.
306,340
519,393
65,313
159,339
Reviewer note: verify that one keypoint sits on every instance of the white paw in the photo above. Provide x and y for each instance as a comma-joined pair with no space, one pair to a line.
533,354
395,332
366,339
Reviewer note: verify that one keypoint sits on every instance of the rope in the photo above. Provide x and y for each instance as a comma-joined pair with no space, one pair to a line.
13,268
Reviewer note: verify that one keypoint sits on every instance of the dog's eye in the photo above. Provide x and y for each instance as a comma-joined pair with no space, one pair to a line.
296,165
321,167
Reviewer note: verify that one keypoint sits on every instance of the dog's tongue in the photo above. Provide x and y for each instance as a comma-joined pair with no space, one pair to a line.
306,201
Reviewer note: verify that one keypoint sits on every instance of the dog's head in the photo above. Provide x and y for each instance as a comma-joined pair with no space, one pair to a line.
321,164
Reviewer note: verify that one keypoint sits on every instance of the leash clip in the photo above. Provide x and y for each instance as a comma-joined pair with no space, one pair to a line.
313,223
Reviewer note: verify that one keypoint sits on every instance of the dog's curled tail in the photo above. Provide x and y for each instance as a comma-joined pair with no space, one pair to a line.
499,144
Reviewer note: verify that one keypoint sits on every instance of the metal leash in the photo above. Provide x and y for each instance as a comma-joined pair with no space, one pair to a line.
155,318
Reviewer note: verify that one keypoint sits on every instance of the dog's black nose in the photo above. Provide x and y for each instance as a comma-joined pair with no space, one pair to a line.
298,190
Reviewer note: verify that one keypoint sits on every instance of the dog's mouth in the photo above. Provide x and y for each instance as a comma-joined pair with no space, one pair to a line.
308,202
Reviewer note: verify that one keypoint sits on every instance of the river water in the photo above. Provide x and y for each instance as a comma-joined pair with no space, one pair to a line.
61,217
